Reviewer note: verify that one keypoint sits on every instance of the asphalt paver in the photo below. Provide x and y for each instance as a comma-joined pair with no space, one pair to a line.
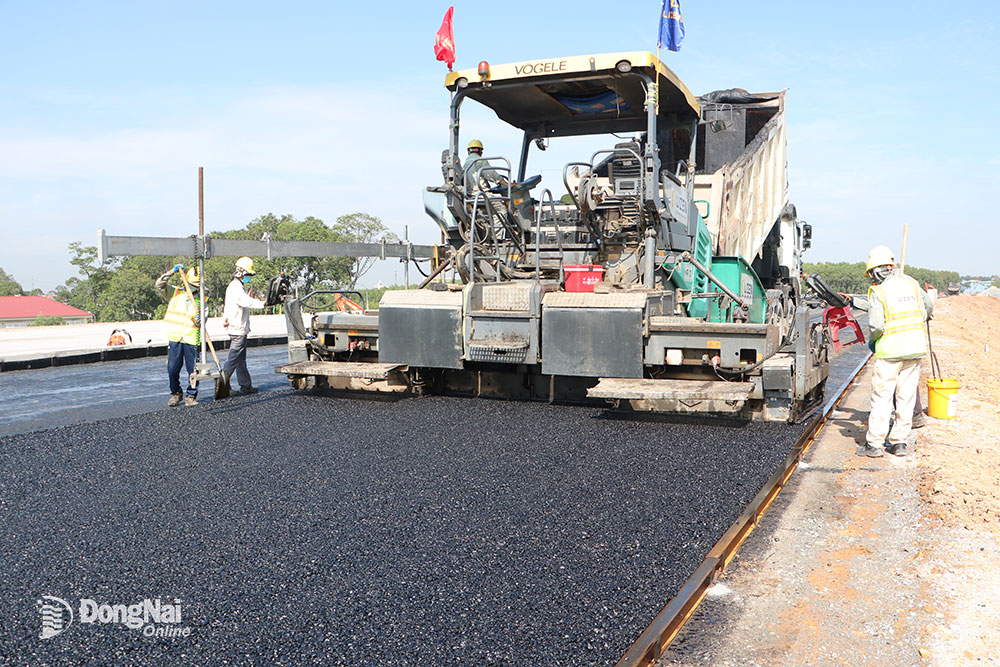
299,528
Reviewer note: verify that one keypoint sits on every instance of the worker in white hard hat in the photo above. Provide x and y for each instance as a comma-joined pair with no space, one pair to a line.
183,318
897,310
236,320
919,419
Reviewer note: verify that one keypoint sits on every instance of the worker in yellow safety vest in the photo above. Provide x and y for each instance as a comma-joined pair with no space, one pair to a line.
897,310
183,332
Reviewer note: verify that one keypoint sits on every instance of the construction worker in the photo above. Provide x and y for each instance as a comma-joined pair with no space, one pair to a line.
237,323
183,332
897,310
919,419
475,151
479,169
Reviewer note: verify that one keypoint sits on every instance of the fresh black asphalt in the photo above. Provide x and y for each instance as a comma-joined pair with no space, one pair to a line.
305,528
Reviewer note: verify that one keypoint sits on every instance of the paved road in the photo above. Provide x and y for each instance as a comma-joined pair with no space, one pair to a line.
28,342
57,396
298,527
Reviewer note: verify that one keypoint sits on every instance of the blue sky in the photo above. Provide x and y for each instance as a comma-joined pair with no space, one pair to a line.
107,109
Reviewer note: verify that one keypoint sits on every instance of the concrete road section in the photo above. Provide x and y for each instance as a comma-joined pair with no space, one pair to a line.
21,342
50,397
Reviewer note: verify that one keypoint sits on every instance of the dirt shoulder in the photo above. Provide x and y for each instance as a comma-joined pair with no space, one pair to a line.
959,483
889,561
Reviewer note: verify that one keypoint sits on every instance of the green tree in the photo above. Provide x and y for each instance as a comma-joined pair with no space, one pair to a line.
306,273
841,276
373,295
47,321
362,228
939,279
123,289
87,292
850,277
129,295
62,294
9,286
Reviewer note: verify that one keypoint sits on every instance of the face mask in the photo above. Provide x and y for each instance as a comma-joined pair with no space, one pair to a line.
880,273
246,280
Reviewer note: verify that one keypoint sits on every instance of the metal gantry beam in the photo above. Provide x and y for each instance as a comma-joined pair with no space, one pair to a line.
207,247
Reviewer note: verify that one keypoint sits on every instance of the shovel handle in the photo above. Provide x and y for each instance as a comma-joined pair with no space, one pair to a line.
208,339
935,364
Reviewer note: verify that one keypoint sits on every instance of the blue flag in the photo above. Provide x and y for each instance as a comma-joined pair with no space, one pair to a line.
671,25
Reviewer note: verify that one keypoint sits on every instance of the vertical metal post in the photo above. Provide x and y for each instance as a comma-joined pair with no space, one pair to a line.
649,270
538,244
523,164
803,363
650,158
902,254
406,265
201,260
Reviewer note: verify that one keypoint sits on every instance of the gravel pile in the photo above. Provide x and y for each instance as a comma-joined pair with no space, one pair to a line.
304,528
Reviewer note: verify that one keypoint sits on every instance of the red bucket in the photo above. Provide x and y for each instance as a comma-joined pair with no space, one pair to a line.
583,277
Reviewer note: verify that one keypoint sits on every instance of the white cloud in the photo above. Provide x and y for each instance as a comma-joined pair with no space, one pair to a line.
321,151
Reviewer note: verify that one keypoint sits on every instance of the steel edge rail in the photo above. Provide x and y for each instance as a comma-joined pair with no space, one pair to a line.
661,632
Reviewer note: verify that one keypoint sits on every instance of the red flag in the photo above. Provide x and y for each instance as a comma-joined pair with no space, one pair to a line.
444,40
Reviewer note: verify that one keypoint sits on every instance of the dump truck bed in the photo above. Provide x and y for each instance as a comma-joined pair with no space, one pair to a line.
742,172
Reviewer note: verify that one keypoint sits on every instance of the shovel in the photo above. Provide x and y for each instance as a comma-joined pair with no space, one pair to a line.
221,381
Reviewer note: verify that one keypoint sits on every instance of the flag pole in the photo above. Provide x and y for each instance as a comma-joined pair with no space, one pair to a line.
656,78
656,65
902,258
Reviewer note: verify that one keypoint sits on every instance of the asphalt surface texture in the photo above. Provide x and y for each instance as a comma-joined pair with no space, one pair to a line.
303,528
300,527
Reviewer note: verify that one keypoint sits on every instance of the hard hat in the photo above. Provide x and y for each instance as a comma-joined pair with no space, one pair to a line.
879,256
246,264
193,278
476,143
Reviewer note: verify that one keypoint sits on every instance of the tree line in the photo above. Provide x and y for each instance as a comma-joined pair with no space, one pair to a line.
122,288
850,277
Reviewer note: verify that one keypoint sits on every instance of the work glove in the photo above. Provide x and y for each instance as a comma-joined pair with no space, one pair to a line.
177,268
197,320
871,346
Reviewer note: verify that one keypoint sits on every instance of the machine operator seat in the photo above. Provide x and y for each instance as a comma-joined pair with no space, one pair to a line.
522,204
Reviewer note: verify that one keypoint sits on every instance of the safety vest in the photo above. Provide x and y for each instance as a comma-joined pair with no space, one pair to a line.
903,331
181,312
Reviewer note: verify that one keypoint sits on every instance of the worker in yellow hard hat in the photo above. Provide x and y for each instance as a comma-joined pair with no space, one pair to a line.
481,169
236,314
183,318
897,310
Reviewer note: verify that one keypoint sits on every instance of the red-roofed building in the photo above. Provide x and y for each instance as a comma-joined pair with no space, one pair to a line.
22,311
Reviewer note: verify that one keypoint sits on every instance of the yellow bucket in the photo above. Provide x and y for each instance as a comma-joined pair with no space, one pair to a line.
942,398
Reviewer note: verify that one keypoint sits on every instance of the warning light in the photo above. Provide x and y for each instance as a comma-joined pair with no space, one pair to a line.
484,69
